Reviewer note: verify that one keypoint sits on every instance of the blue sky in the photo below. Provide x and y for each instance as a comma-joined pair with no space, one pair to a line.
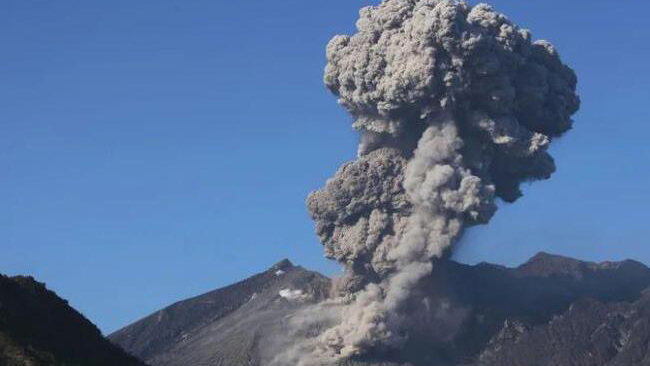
151,150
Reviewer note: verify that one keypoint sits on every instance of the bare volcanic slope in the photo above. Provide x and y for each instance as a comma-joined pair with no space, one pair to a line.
224,326
551,310
38,328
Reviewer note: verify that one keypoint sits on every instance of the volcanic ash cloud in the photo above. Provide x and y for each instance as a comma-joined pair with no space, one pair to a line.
456,106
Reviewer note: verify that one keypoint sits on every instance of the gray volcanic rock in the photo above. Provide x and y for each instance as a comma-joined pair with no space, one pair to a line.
551,310
589,333
223,327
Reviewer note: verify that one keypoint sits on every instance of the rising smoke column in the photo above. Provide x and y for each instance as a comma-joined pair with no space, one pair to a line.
456,106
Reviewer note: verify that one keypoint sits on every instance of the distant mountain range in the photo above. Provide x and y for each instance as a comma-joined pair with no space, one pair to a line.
550,311
38,328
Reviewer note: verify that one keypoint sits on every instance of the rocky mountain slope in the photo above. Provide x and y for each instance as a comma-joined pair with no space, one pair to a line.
549,311
38,328
589,333
223,327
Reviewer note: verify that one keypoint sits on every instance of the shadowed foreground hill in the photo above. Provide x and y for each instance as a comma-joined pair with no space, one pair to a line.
549,311
38,328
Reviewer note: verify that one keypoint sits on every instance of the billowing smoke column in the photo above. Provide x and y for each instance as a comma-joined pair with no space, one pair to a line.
456,106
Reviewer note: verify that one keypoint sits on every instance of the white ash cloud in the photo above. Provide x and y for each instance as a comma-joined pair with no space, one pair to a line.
456,106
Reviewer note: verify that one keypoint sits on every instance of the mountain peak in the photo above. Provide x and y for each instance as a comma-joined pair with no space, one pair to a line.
282,265
545,264
545,256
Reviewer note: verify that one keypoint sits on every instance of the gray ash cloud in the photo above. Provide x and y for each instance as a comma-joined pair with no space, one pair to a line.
456,107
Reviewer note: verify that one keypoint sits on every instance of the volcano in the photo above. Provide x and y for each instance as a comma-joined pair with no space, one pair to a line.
551,310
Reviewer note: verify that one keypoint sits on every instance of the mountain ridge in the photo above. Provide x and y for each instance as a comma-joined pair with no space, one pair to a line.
497,304
543,264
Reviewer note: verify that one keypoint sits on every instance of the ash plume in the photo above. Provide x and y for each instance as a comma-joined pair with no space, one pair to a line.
456,107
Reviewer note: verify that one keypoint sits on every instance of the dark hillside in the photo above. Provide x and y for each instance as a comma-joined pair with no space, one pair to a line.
38,328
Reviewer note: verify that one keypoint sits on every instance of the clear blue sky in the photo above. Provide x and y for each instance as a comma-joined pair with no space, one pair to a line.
151,150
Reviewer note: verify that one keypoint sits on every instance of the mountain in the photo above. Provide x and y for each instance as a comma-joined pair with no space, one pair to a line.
223,326
38,328
549,311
